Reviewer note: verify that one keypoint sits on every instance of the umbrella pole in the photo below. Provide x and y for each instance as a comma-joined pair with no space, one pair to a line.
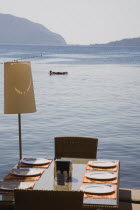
20,140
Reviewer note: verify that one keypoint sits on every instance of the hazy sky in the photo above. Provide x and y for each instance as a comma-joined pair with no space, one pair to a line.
81,21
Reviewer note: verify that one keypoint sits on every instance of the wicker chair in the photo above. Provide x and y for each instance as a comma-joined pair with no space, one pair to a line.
122,206
76,147
129,195
48,200
6,206
129,206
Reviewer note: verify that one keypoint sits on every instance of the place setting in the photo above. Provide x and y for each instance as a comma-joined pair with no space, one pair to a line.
100,177
99,191
35,163
24,174
101,165
7,188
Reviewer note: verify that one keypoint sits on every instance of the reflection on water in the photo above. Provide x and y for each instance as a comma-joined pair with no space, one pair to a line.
92,100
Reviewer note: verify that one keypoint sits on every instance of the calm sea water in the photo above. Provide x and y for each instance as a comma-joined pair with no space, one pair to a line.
100,97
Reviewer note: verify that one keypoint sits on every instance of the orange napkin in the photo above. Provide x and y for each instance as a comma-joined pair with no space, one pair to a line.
115,168
88,180
34,166
109,196
7,192
22,178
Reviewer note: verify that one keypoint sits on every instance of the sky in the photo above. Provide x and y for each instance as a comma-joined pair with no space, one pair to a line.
81,21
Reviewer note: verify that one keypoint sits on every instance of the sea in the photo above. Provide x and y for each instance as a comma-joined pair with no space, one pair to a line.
99,97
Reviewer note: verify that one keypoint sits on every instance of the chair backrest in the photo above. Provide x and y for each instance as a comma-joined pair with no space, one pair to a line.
76,147
49,200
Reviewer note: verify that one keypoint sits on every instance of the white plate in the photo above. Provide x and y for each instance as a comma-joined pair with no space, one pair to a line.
100,175
12,185
35,161
25,172
97,189
102,164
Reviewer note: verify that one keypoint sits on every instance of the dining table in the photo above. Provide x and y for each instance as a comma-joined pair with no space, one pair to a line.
98,178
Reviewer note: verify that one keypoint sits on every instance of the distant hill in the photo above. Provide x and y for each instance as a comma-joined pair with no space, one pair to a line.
133,42
15,30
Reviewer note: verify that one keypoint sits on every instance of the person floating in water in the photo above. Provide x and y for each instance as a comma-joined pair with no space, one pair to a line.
61,73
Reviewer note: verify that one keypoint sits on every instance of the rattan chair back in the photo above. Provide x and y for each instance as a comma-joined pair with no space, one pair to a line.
76,147
129,195
48,200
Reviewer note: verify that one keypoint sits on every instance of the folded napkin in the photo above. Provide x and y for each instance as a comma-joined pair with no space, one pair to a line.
34,166
88,180
23,178
115,168
8,192
108,196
